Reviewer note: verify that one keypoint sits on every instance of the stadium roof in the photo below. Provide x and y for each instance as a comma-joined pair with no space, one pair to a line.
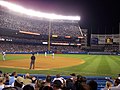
20,9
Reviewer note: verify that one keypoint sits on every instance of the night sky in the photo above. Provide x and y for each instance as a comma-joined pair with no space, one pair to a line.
98,16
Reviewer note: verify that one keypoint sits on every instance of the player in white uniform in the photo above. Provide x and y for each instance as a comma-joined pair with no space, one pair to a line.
3,55
45,54
53,55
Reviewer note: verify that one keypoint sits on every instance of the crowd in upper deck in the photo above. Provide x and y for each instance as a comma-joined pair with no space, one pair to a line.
10,20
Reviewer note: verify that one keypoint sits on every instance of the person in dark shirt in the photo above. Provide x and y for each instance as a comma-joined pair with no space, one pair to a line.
32,63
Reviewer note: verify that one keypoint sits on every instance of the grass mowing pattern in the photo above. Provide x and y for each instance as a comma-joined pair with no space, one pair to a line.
95,65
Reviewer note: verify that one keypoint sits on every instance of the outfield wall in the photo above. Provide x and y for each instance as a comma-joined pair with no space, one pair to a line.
50,52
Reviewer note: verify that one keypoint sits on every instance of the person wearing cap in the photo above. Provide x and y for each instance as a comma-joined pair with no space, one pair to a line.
19,82
32,63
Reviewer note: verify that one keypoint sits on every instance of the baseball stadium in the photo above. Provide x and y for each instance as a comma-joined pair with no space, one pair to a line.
59,45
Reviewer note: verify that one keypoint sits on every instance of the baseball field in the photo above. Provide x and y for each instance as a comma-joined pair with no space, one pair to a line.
88,65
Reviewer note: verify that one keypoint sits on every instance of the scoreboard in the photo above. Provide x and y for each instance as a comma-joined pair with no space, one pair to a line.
104,39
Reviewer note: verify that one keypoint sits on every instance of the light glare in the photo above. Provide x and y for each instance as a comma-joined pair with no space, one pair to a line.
30,12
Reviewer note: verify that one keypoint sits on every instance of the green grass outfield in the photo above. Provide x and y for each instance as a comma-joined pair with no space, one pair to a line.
95,65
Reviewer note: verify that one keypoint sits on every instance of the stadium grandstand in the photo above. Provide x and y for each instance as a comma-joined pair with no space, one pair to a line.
27,31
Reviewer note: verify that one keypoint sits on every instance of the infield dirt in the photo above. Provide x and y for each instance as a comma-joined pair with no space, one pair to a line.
42,63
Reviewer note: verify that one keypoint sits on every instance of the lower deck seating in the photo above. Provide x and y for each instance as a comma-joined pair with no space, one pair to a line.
101,80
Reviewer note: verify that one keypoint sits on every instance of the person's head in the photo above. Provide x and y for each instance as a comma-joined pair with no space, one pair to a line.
33,54
19,81
108,84
12,88
69,83
118,76
28,87
47,88
93,85
38,83
27,75
83,79
14,74
1,73
57,75
48,78
2,80
33,79
57,84
73,75
117,82
79,77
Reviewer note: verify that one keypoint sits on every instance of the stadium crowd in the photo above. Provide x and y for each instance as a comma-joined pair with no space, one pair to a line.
33,40
104,48
111,48
10,47
13,81
13,21
35,44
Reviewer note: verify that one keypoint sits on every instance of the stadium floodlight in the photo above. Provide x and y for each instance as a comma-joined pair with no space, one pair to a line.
20,9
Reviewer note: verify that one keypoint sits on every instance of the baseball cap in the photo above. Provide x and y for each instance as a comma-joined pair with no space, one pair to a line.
20,79
73,74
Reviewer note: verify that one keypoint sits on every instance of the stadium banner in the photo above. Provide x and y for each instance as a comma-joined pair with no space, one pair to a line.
54,36
74,52
44,42
41,52
80,37
94,41
101,41
72,44
67,36
60,43
103,53
32,33
49,52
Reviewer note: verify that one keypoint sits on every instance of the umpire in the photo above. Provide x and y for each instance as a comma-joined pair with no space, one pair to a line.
32,63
